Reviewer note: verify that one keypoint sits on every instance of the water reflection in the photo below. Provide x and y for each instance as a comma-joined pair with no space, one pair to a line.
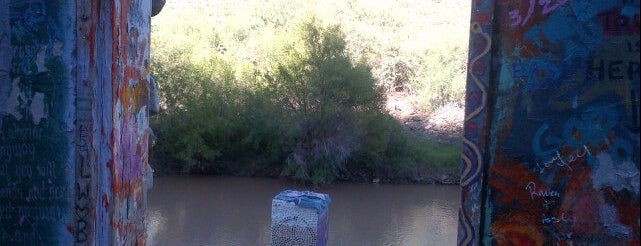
237,211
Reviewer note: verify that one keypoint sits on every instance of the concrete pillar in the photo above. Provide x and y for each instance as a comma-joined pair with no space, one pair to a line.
73,121
551,133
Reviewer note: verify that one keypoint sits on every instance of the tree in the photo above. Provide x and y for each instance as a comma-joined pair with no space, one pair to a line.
328,97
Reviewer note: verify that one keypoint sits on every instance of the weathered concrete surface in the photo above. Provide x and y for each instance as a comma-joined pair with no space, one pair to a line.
73,121
551,134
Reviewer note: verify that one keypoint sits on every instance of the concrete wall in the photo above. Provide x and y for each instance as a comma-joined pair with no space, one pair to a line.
551,135
73,121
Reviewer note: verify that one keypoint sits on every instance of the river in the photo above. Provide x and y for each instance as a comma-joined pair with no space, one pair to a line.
219,210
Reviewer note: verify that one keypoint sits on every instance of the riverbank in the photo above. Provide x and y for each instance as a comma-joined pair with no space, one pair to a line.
443,127
423,175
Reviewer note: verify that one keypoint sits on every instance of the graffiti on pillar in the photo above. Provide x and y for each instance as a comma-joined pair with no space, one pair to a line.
477,95
85,164
73,121
129,121
112,121
562,153
35,124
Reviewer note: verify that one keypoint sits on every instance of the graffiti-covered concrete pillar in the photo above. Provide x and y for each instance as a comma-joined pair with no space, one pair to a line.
551,134
73,121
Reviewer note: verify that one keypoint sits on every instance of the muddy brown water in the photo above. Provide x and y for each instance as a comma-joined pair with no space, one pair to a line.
217,210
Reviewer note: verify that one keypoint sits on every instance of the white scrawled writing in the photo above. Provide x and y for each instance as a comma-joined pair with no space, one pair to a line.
534,192
558,160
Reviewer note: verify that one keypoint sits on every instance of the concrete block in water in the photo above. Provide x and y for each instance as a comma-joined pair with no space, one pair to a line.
299,218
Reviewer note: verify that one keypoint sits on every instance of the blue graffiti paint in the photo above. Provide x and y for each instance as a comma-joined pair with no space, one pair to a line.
587,10
595,128
540,74
561,30
548,146
630,11
592,128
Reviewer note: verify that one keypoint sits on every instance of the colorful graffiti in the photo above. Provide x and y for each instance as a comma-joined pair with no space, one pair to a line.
35,139
559,149
73,121
475,118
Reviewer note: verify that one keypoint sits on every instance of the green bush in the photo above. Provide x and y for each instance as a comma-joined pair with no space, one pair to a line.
210,121
195,111
327,95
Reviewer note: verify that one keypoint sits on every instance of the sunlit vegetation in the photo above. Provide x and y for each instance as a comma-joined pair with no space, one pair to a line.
297,88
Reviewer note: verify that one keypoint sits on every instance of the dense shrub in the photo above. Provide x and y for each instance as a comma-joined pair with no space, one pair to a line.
327,96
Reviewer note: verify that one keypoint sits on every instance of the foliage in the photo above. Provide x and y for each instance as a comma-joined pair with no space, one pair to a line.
269,91
193,114
327,96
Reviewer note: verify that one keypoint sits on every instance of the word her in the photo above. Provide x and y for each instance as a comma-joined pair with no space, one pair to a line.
542,76
615,70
